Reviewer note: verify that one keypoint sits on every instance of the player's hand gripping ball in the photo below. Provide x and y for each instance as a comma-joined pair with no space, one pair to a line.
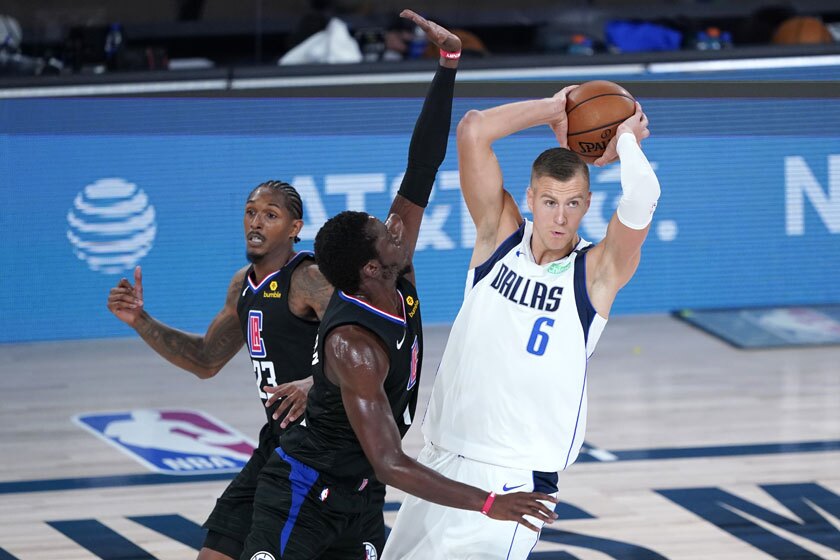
594,111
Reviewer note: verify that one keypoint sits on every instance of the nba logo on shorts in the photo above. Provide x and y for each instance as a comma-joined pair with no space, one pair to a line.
172,441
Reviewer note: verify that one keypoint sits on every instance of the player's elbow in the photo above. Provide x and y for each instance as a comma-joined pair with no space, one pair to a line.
206,372
388,467
470,128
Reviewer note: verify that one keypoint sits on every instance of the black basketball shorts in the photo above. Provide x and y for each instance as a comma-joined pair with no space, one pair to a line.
299,514
230,521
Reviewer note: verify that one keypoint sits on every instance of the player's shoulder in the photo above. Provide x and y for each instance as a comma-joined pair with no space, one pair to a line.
237,282
355,344
307,276
240,275
309,290
405,285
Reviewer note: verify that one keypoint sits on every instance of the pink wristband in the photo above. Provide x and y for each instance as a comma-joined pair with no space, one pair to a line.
488,503
450,55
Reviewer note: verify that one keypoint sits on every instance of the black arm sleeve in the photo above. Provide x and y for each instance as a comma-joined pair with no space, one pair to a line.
429,140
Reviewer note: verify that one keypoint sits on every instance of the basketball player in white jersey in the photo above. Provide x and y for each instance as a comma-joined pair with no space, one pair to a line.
508,408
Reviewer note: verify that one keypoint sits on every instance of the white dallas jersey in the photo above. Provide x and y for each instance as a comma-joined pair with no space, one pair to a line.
511,387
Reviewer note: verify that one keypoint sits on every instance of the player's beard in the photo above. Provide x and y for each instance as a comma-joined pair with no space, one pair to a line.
395,271
253,258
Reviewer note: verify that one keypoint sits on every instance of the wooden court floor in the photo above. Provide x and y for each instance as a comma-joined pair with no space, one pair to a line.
695,450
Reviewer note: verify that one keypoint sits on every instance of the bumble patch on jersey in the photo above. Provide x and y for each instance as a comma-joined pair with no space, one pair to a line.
413,305
272,291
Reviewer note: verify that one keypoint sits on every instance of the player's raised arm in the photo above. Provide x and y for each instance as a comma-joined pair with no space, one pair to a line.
494,212
612,263
202,355
429,140
358,362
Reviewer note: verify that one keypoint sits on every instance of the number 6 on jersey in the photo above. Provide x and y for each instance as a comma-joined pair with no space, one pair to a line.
539,338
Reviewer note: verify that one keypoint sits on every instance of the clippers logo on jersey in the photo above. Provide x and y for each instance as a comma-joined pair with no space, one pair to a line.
172,441
370,552
256,346
525,291
415,351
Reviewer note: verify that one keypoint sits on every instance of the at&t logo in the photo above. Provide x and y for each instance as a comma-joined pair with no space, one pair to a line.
112,225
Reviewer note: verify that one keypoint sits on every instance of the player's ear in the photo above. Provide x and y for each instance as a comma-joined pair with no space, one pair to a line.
297,225
529,198
372,268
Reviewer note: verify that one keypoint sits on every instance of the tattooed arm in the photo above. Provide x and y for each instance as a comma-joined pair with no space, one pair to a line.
310,292
202,355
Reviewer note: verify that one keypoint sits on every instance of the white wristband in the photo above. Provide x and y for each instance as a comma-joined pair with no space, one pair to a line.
639,185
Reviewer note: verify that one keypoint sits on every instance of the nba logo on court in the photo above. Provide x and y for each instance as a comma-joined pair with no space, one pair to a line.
172,441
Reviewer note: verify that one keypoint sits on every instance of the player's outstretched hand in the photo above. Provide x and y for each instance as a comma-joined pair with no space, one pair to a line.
636,124
560,124
294,395
515,506
440,36
126,301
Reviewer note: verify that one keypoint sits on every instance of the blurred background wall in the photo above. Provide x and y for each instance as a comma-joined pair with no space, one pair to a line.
108,161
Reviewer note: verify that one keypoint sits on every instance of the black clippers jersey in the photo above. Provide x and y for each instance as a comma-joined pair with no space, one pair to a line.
279,342
326,440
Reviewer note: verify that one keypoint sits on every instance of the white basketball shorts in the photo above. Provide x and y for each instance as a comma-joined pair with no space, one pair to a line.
424,530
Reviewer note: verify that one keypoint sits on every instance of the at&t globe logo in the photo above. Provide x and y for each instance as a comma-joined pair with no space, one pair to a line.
112,225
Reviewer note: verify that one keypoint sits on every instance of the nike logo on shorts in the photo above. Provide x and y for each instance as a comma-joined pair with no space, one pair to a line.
507,488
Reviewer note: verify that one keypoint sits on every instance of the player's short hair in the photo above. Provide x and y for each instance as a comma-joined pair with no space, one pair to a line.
560,164
291,198
343,245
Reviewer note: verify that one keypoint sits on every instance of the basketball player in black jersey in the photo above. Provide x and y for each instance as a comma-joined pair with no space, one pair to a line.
272,306
317,496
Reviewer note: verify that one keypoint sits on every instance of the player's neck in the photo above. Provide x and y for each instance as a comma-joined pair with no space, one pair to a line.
383,296
271,264
544,255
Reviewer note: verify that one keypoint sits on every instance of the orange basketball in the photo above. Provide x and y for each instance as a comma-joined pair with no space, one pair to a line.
595,109
802,31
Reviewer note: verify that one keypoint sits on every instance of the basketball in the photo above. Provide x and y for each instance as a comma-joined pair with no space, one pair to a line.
802,31
595,109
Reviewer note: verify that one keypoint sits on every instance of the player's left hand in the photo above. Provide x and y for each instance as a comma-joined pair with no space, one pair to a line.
637,125
440,36
294,395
